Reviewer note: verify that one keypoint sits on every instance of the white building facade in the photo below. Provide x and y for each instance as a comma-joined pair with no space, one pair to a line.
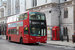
49,7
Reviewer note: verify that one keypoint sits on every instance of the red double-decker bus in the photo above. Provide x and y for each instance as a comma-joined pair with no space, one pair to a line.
28,27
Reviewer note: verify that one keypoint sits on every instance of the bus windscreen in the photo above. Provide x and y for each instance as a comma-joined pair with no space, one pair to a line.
36,16
38,31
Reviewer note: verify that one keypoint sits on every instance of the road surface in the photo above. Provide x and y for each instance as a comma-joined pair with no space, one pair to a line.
6,45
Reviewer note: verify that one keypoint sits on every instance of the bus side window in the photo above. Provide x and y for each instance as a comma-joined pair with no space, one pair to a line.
20,17
26,30
25,16
15,31
10,31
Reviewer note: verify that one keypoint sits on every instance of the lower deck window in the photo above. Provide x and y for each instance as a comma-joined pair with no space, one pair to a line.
12,31
37,31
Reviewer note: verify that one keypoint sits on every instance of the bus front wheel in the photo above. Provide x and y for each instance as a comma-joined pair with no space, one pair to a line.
21,41
36,43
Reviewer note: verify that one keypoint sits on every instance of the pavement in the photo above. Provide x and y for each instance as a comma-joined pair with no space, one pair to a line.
64,43
58,43
2,36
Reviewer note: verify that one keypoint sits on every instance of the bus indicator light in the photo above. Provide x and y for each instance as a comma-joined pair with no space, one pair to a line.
26,28
38,35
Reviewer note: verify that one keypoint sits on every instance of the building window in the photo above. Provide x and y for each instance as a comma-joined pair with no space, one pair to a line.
12,7
65,31
9,7
34,3
9,11
46,1
65,0
66,13
2,13
17,6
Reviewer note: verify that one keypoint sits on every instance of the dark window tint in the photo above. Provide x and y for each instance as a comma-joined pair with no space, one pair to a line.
34,3
37,16
65,31
23,16
37,31
26,30
12,31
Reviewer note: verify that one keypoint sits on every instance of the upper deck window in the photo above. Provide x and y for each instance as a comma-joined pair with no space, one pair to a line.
17,17
36,16
23,16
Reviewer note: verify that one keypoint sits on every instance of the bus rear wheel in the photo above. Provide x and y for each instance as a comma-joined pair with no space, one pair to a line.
21,41
9,38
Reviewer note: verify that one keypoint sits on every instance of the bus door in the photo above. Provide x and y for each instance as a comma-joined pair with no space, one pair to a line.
26,35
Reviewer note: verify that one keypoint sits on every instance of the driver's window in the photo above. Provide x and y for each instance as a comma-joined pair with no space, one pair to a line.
26,30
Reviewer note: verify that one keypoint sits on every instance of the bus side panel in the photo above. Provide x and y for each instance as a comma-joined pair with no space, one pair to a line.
13,37
20,34
26,39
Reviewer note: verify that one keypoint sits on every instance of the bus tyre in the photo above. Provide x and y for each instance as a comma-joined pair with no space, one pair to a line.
37,43
9,38
21,41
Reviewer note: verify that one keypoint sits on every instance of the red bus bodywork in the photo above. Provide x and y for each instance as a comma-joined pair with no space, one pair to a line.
27,38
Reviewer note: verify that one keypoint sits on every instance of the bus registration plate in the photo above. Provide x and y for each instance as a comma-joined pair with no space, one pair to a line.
37,42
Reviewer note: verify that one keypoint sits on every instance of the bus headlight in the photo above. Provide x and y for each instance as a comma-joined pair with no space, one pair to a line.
46,41
45,38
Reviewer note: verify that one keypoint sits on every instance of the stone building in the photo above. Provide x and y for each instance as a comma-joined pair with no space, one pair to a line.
52,12
57,14
8,8
2,17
